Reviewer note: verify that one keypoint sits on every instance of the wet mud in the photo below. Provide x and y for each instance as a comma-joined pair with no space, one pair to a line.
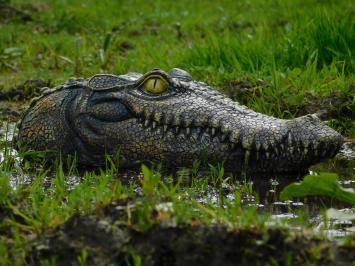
107,242
25,91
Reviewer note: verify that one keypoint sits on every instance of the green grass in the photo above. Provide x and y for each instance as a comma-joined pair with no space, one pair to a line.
30,211
295,56
303,50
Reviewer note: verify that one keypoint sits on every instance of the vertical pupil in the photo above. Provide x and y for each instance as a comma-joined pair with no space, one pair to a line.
154,85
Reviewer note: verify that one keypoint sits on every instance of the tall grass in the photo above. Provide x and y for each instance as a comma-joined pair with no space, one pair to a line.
324,39
329,38
306,59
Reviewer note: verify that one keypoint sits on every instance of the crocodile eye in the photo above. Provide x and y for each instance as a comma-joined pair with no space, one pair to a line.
155,85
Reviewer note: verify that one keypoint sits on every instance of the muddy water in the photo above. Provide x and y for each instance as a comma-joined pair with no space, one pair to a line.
298,213
260,192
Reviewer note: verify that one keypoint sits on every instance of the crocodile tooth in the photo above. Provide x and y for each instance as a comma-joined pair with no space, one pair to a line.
176,121
213,131
214,123
276,151
188,131
267,155
232,145
265,147
146,123
157,117
177,129
258,145
289,139
245,144
154,124
305,151
305,144
187,123
282,147
147,113
224,129
257,155
165,127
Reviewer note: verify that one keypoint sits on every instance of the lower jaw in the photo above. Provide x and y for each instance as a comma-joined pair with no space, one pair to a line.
246,162
236,163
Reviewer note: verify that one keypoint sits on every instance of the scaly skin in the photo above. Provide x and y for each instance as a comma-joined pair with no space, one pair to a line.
109,114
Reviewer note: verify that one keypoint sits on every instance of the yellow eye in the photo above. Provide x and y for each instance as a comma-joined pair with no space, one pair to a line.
155,85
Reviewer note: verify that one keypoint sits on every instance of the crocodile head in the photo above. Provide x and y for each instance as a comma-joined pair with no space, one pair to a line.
173,119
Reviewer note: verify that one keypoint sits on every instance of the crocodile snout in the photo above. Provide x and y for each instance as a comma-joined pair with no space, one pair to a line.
308,136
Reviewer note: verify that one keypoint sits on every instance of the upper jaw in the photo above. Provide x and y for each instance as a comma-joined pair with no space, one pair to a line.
310,134
298,142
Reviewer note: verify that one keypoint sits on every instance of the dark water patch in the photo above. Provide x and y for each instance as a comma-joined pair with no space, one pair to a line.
7,133
264,195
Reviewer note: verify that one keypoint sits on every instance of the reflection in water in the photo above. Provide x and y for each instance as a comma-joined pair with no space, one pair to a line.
261,192
348,151
7,132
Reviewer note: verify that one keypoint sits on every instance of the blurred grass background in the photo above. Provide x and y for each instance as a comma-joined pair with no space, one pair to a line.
283,58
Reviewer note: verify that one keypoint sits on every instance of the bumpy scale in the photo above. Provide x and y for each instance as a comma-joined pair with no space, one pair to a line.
172,119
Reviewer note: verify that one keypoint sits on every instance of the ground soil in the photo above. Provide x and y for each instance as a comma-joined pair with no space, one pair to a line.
108,241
